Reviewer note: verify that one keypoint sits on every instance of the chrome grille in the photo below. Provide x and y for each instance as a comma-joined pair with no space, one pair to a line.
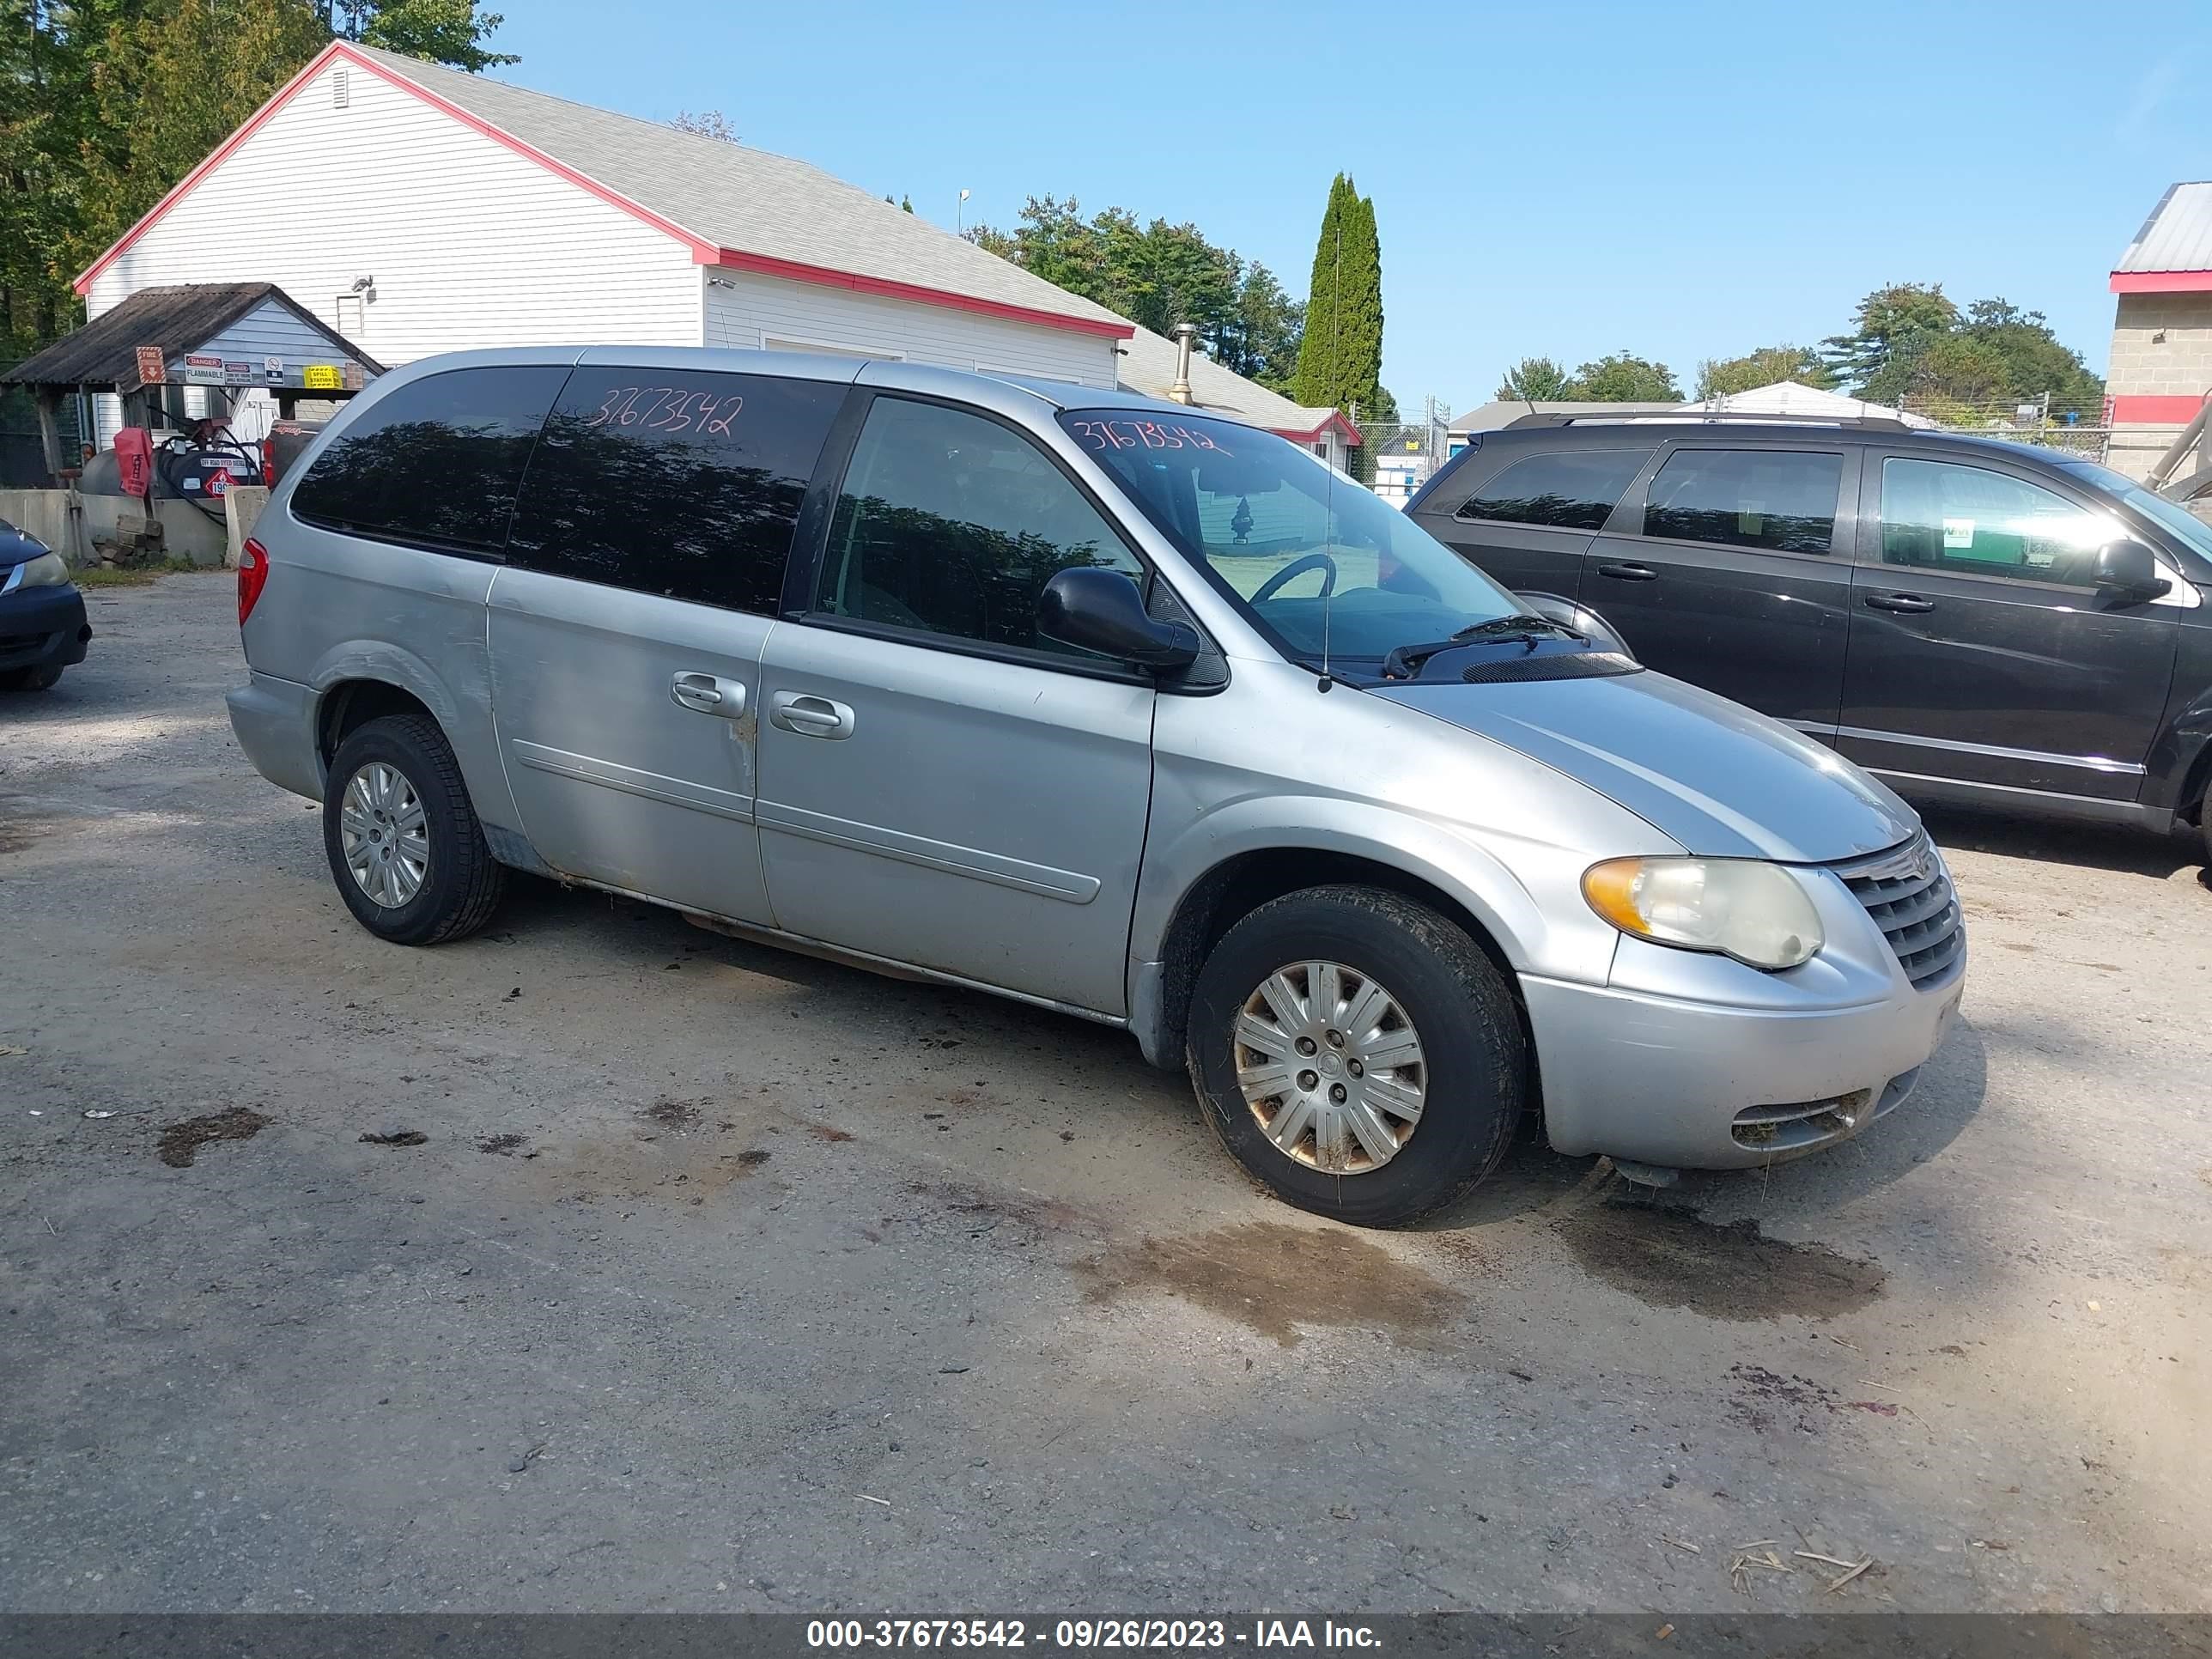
1910,898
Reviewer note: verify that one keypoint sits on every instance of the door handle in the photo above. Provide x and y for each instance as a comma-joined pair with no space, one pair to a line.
809,716
1629,573
706,694
1911,603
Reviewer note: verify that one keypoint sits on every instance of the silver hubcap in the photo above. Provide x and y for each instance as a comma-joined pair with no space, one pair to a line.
1331,1067
384,835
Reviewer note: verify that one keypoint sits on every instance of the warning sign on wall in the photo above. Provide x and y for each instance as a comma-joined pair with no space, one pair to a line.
152,366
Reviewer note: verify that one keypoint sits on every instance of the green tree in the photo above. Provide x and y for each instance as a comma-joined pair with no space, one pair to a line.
1534,380
1720,377
1620,377
1913,346
1341,354
1158,275
450,32
1878,360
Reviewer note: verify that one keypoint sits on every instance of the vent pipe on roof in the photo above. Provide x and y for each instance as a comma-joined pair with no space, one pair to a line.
1180,391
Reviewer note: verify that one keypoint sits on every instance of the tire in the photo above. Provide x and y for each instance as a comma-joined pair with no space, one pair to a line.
1472,1077
30,679
460,884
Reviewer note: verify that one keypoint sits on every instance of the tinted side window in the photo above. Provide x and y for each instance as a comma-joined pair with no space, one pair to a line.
1781,500
436,463
1578,490
953,524
681,485
1938,516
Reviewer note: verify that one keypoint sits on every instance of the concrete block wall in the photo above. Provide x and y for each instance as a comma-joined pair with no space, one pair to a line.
2161,348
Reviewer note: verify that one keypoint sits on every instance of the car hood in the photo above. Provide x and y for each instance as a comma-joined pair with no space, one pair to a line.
1708,773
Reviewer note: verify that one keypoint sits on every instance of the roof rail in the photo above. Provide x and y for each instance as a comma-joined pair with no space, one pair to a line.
1717,417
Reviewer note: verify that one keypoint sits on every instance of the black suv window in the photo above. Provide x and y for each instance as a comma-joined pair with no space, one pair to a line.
1575,491
1781,500
435,463
953,524
686,485
1936,515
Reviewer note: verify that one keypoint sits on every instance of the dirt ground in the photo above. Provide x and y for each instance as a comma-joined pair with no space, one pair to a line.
599,1263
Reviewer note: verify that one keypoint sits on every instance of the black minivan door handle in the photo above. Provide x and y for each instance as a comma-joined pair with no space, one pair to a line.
1911,603
1629,573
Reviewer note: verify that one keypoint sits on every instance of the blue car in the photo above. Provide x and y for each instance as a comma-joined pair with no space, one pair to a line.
42,625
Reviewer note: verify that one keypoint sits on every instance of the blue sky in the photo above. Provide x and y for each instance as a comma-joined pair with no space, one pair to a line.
1682,180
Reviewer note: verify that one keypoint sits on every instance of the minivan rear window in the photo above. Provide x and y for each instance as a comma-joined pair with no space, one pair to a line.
435,463
674,482
1574,490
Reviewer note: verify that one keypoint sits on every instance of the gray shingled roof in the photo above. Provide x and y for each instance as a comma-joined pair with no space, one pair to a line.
742,199
1148,365
2178,236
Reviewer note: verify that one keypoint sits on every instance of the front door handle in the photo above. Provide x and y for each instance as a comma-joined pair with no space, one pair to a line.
1911,603
706,694
1629,573
809,716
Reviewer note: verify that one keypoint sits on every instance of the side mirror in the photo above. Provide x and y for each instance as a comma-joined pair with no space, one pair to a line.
1102,611
2127,574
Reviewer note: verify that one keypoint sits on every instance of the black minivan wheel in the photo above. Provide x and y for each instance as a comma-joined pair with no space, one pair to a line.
404,845
1357,1053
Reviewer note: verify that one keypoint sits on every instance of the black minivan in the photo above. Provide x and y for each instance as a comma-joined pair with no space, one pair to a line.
1975,620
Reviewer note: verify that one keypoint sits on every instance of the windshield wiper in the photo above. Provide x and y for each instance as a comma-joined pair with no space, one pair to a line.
1405,661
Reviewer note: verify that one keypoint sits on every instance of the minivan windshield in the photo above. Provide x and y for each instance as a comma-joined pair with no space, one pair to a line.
1327,569
2176,520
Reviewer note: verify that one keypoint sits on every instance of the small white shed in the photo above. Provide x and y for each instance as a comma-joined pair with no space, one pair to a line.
418,209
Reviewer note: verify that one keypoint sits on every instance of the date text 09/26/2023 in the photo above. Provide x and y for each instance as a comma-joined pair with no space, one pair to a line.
1169,1634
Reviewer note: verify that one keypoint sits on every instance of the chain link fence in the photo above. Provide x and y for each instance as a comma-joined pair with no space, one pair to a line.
1395,458
2082,430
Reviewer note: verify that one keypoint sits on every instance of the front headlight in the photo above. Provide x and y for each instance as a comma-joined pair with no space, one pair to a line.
1757,913
47,570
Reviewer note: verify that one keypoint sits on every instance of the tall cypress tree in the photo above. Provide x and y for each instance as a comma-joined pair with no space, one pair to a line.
1341,358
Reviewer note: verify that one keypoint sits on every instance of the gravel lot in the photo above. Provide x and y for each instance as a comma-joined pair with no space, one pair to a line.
724,1278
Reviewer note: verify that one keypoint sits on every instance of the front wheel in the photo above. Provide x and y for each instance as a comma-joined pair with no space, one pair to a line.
404,842
1357,1053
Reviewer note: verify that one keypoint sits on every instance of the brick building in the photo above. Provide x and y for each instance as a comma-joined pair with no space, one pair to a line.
2163,329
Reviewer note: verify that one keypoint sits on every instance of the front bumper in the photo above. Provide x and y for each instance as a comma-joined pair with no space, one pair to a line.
1689,1085
42,627
275,721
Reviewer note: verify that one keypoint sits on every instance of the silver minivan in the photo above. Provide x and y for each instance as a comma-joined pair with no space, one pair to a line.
1109,705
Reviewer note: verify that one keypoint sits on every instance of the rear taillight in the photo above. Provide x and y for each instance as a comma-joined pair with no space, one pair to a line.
252,577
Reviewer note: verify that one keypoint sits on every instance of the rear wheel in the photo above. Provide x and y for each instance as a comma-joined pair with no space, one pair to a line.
404,842
30,679
1357,1053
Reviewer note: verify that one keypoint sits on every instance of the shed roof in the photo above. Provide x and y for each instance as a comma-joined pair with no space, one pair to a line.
733,205
104,353
2172,252
1148,365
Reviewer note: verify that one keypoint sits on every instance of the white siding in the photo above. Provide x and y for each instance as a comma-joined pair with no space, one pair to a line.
470,244
746,310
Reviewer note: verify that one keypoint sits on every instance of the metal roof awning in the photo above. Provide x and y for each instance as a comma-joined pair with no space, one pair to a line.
177,336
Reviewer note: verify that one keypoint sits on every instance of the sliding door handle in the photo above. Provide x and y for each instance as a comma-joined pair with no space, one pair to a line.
1910,604
1629,573
809,716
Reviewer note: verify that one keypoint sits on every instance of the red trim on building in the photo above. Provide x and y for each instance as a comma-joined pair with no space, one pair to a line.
702,252
824,276
2163,282
2155,412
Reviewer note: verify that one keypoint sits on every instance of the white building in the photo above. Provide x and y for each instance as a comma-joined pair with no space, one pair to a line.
420,209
